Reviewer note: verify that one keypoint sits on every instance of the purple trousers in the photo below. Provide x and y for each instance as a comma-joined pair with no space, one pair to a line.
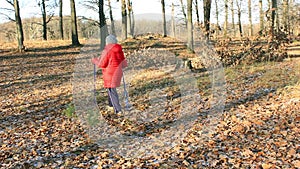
113,99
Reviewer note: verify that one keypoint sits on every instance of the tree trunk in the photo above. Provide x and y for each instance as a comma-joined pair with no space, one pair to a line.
261,18
238,4
44,17
277,19
103,26
240,23
197,12
19,27
232,18
183,12
61,24
291,7
124,19
269,19
226,18
190,40
112,22
285,16
217,18
164,18
173,20
206,9
75,41
273,16
250,18
132,22
129,22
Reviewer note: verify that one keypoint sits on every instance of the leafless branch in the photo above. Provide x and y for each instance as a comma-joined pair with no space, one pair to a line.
50,17
7,16
89,19
8,9
10,2
91,6
37,23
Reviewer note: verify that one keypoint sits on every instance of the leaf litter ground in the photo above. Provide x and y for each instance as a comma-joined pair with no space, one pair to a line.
259,128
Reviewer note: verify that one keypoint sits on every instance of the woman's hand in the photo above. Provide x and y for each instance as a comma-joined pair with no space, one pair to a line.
95,60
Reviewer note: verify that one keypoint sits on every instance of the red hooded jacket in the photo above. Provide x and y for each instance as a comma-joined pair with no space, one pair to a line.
111,62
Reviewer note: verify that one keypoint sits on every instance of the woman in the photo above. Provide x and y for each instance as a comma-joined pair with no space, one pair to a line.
112,61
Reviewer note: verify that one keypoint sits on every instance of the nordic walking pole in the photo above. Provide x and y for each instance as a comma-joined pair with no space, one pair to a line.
125,93
95,73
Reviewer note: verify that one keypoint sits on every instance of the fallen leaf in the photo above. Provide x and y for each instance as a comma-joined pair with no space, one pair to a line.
296,163
266,166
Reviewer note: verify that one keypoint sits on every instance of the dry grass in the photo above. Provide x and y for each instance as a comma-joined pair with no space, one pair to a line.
39,44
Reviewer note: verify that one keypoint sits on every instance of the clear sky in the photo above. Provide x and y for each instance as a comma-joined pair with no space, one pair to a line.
30,8
139,7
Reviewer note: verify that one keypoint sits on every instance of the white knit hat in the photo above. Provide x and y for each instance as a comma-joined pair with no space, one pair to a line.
111,39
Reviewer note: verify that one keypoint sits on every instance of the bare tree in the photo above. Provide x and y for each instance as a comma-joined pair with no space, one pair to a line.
61,20
19,26
98,7
277,20
261,17
273,17
18,21
124,19
130,18
112,22
268,16
173,20
163,6
132,21
294,17
75,40
226,18
206,9
183,12
232,17
217,17
250,18
190,40
197,12
45,9
239,12
44,16
103,26
285,16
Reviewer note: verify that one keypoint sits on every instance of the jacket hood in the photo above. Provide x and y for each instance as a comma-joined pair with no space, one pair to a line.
113,47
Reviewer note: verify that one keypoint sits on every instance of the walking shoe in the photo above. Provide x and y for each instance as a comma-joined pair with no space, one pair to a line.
119,114
109,108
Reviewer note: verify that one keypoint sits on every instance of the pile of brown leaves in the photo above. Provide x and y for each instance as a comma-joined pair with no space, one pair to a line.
246,51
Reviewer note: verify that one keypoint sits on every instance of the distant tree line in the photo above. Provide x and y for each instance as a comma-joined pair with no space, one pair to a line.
274,16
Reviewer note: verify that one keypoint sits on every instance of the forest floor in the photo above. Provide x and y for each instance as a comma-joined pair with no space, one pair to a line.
260,126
